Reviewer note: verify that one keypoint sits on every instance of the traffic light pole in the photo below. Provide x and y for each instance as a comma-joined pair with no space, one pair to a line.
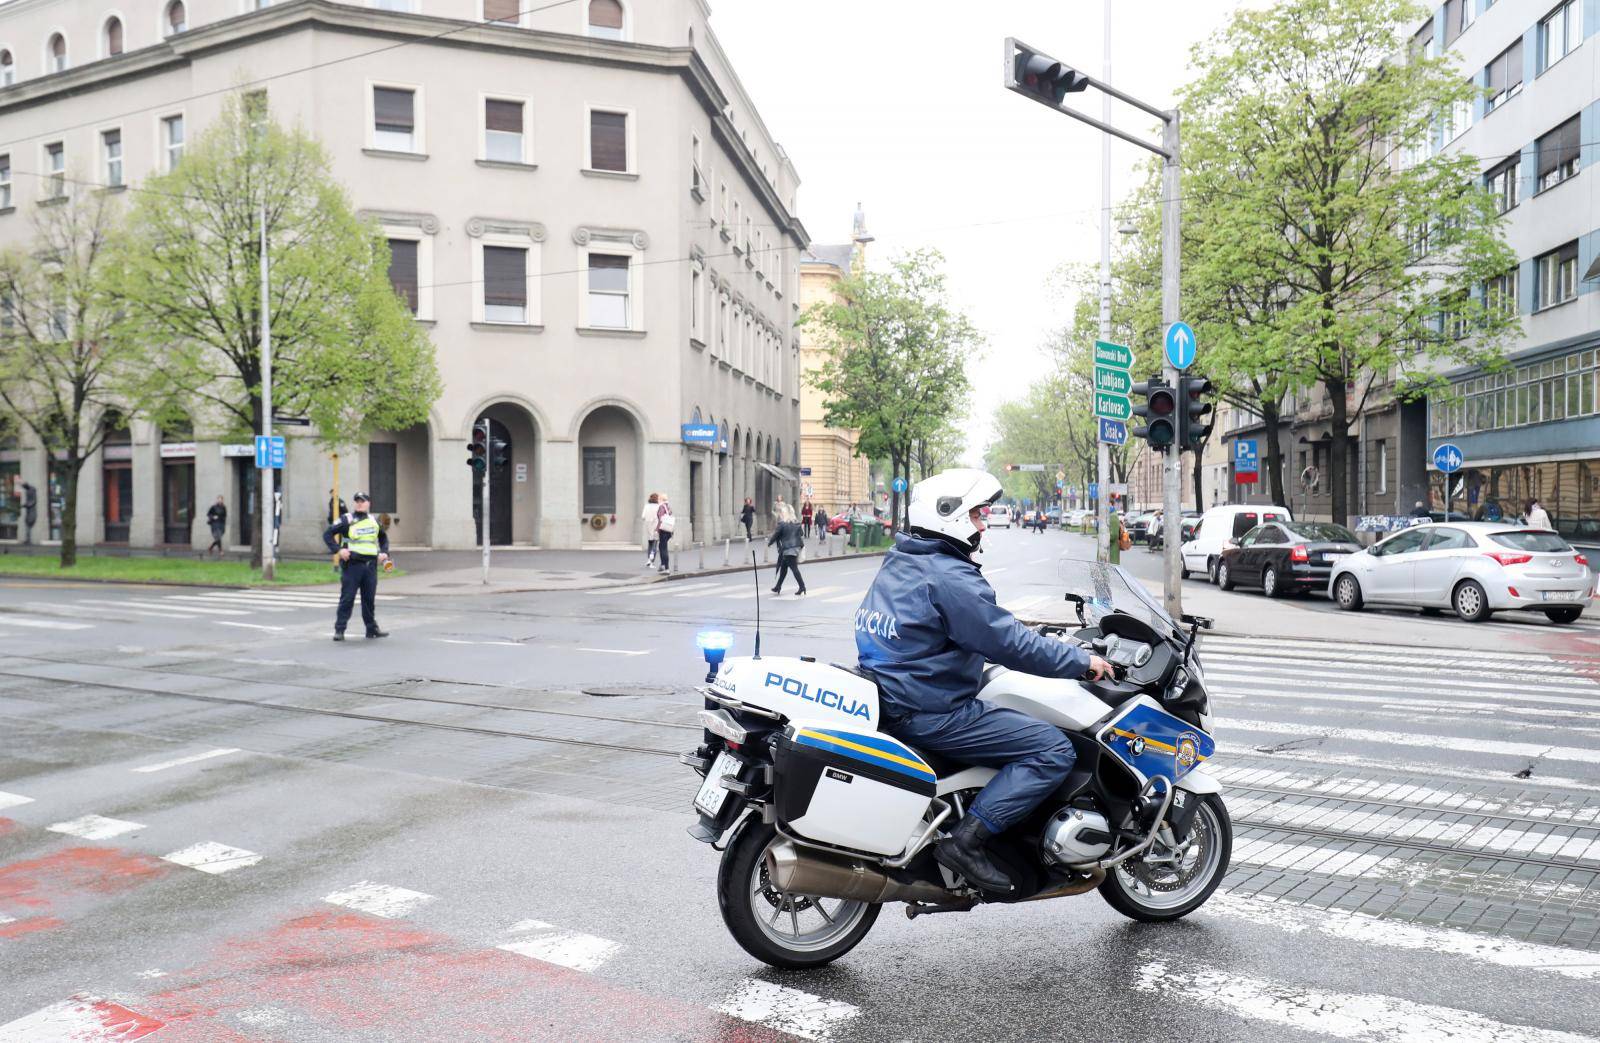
1102,540
483,519
1172,477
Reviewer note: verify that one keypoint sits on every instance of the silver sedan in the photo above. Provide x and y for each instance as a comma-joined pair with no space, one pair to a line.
1474,568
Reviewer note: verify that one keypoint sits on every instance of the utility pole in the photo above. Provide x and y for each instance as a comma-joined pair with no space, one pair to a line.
1102,540
1036,75
269,531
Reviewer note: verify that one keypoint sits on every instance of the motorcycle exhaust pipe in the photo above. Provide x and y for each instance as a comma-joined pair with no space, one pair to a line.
825,875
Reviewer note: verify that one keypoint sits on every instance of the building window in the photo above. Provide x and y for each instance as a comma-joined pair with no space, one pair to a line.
255,111
722,204
1422,44
403,270
608,140
505,284
177,18
738,219
55,167
5,182
1458,120
8,69
503,138
394,123
506,11
402,6
56,53
1560,33
1558,154
1505,182
1557,274
172,140
606,19
113,36
111,149
608,291
1453,21
697,180
1504,76
1501,292
696,312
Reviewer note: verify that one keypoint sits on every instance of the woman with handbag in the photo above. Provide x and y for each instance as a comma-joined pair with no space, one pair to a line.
665,523
790,540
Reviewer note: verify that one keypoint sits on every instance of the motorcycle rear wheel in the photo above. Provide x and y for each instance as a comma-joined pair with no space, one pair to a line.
1158,892
783,930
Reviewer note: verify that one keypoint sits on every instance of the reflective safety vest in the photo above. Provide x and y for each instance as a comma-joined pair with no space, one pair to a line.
362,537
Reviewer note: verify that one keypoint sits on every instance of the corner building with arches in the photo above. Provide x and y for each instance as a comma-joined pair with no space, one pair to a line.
583,207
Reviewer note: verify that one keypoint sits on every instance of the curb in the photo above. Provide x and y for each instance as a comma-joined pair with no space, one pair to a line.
162,582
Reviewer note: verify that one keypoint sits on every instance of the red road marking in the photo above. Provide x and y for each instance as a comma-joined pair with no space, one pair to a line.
18,928
67,878
7,825
362,975
124,1023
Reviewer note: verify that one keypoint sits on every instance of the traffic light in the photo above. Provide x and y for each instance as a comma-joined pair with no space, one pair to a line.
499,452
1039,76
1010,468
478,451
1155,404
1194,422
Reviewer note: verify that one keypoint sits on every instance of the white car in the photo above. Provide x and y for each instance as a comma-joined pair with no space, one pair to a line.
1474,568
999,517
1218,526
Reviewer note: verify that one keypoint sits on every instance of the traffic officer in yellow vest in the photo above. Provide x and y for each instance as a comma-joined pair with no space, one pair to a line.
366,546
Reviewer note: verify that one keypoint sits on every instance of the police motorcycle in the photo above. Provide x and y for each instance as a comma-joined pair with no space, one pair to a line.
822,818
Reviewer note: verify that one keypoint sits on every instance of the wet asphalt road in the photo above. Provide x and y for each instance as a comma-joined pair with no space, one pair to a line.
453,791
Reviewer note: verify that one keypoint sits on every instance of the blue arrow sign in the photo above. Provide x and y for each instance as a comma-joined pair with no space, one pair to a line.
1448,458
270,451
899,485
1113,432
1094,490
1180,345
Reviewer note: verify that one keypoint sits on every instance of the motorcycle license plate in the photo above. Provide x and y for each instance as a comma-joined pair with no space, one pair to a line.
711,795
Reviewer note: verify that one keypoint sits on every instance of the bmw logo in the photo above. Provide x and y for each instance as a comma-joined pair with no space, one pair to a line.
1136,745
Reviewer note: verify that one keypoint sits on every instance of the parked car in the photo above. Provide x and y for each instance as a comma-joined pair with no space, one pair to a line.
845,522
1139,525
1475,568
1155,535
999,516
1202,551
1285,557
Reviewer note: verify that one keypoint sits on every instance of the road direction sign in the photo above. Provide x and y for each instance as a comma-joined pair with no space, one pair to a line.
899,485
1094,490
1030,467
1180,345
1061,476
1113,432
1108,354
1116,381
1111,406
270,451
1245,460
1448,457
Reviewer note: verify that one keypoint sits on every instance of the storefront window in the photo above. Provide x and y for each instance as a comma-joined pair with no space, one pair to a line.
10,500
116,491
1568,489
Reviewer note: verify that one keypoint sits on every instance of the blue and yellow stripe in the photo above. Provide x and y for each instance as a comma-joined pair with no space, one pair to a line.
873,749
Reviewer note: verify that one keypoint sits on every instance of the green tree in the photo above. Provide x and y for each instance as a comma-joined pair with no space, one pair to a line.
64,365
896,360
346,352
1359,257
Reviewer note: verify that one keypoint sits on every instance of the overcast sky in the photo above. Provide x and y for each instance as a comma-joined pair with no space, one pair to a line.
899,105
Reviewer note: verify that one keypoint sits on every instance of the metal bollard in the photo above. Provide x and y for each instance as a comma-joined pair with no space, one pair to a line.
702,548
727,545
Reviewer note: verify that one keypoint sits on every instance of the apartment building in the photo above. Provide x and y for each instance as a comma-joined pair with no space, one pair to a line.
833,474
584,210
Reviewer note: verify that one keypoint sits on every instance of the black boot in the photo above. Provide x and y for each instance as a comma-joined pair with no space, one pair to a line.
338,635
377,633
964,853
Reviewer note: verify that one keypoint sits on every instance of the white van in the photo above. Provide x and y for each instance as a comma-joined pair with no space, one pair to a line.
999,517
1217,526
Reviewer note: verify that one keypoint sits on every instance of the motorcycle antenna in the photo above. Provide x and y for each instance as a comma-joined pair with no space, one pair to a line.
755,574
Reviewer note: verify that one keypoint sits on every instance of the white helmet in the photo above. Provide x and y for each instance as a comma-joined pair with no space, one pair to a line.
942,505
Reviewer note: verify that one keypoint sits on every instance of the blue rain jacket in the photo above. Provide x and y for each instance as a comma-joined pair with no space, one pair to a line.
929,623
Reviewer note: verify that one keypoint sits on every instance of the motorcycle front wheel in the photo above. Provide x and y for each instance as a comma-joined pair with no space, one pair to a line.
780,929
1171,882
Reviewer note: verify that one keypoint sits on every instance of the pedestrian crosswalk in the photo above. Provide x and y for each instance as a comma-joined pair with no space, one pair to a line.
226,607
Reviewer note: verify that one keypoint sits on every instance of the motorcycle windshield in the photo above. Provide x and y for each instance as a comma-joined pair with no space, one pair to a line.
1107,589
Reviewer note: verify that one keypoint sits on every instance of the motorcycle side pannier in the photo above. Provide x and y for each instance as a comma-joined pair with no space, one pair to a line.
856,789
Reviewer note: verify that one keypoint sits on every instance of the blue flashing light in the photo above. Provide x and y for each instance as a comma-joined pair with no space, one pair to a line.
714,640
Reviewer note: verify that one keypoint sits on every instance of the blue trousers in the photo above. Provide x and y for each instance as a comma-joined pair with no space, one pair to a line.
1033,757
359,576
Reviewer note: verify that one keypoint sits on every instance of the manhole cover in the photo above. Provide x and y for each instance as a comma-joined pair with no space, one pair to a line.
626,689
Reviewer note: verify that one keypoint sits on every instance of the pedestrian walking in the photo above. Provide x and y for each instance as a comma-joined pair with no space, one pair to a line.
336,508
365,548
647,517
820,520
805,518
217,519
1538,517
30,511
665,523
790,541
747,516
1420,510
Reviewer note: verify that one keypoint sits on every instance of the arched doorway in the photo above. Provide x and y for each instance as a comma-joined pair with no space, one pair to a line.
611,476
513,496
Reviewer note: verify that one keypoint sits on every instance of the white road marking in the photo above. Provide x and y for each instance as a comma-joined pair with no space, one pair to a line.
857,572
845,598
82,1019
192,759
1371,1018
714,590
1016,605
11,619
617,651
458,641
995,572
188,611
1427,677
1437,663
95,827
675,589
1324,759
194,603
211,857
1389,934
248,626
379,899
1490,700
11,800
1460,743
1377,791
7,919
1340,651
570,949
165,612
787,1010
